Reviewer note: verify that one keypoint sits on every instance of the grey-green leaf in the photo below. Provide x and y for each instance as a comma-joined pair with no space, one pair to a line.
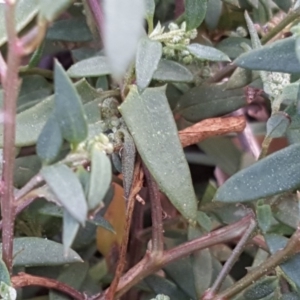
70,30
72,275
277,173
207,53
34,251
291,267
50,141
171,71
285,5
26,10
152,126
90,67
147,58
123,28
159,284
279,56
49,9
68,108
277,125
204,102
195,11
70,229
213,13
67,188
4,274
101,174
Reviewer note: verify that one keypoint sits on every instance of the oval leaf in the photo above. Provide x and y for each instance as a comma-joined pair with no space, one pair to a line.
4,274
195,11
291,267
277,125
68,108
100,179
67,188
279,56
50,141
277,173
34,251
204,102
122,30
147,58
152,126
25,12
90,67
70,229
49,9
168,70
207,53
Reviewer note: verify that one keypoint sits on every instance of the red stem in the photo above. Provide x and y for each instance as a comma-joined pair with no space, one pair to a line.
23,279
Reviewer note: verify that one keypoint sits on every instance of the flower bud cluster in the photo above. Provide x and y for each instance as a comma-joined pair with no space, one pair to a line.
175,41
277,82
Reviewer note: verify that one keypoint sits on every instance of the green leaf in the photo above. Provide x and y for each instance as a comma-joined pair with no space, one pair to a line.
152,126
31,122
122,31
73,276
279,56
90,67
265,218
147,58
290,296
278,124
277,173
181,272
70,229
67,188
240,78
70,30
261,289
253,3
285,5
162,285
201,264
34,88
50,141
26,10
49,9
213,13
204,221
34,251
4,274
231,46
232,2
204,102
195,11
207,53
149,8
25,168
100,179
291,267
171,71
51,209
68,108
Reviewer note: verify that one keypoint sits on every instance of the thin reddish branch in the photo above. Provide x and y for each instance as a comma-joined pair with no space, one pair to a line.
11,90
151,264
23,279
136,187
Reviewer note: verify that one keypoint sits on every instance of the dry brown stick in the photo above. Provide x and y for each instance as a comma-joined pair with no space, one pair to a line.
209,128
23,279
136,187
